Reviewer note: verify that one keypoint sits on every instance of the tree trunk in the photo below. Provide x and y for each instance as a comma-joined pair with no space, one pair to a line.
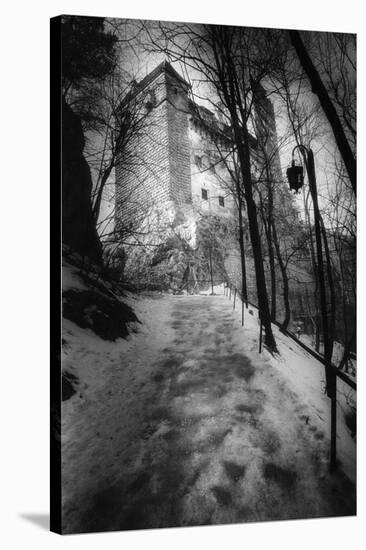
315,275
338,247
235,101
328,345
331,287
267,223
98,200
286,300
242,249
269,238
244,158
346,352
273,274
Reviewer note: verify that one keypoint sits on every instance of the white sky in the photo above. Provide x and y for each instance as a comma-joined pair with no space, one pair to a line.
138,63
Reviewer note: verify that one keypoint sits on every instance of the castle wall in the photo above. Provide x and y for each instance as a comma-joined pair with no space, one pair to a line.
179,145
154,171
208,175
169,161
143,169
172,179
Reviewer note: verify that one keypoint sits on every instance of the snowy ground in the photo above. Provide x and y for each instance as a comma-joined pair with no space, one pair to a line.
337,355
184,423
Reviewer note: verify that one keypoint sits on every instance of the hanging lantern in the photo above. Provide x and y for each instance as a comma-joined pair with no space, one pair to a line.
295,176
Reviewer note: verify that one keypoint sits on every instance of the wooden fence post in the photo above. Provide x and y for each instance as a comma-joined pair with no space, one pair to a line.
333,428
234,298
212,289
260,337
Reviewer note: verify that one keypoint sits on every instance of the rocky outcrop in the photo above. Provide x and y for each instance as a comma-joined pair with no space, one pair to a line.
184,254
99,311
78,227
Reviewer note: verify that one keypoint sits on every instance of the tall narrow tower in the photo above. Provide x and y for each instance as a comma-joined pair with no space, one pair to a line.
154,169
266,132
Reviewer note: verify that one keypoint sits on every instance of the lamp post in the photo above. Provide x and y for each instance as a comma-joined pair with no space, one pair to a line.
295,176
296,181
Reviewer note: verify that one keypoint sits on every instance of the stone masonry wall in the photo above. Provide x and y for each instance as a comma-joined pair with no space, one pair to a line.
142,171
179,146
208,174
154,171
161,177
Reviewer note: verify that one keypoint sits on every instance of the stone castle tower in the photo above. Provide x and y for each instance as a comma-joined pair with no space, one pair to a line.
171,182
171,161
174,191
154,172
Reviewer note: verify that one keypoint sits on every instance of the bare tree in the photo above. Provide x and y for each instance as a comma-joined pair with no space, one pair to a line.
340,220
231,61
347,104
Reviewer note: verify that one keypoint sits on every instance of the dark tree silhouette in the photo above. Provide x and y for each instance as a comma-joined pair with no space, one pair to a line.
233,61
87,56
330,111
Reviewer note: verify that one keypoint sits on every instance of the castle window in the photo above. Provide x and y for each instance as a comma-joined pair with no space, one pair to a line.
198,161
221,201
204,194
151,101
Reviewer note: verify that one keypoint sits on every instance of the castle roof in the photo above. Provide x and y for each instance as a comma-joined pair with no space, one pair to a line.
206,117
165,66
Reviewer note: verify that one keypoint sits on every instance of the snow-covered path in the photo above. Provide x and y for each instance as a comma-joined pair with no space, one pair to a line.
192,426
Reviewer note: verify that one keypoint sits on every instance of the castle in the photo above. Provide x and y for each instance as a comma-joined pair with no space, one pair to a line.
172,175
175,158
173,170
